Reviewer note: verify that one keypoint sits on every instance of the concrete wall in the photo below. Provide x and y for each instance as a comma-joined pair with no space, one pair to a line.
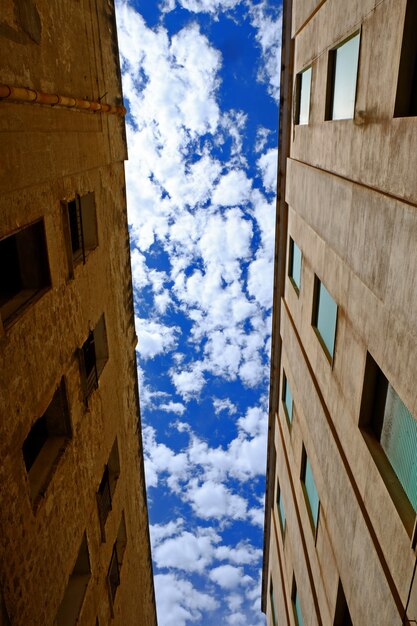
352,210
48,156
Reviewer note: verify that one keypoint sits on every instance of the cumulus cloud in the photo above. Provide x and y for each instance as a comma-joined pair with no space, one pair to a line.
223,405
215,500
179,602
173,407
154,338
266,19
268,164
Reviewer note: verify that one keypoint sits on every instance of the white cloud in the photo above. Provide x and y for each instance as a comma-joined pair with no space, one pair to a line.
179,602
214,7
188,383
262,135
233,189
190,552
267,21
268,165
154,338
224,405
173,407
229,576
214,500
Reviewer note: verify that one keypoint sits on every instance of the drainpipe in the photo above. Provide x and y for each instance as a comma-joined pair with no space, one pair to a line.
32,96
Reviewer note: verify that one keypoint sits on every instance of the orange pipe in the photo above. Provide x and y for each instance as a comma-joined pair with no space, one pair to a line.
24,94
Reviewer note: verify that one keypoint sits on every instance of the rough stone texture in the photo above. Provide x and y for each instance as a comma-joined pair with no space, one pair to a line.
352,198
48,156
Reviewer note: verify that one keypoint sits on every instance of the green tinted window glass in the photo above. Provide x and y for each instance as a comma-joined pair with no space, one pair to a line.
326,316
288,399
311,490
345,75
298,609
295,263
399,441
281,508
305,89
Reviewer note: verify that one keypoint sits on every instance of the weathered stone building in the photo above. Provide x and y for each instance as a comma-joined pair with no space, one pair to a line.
74,539
341,501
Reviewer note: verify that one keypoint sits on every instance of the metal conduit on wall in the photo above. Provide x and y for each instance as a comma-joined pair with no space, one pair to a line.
32,96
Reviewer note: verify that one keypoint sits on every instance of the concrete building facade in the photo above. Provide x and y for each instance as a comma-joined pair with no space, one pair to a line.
341,496
74,537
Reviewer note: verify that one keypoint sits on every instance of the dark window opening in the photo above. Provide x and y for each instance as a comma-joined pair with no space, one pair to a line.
46,441
72,601
93,357
107,487
113,574
406,97
25,270
341,615
82,227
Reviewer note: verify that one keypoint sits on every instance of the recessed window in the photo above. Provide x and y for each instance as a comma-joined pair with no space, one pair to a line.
4,616
113,574
324,317
391,425
342,79
296,604
310,490
271,597
46,442
287,398
303,91
72,601
281,510
81,227
406,98
294,265
107,487
24,274
93,357
341,615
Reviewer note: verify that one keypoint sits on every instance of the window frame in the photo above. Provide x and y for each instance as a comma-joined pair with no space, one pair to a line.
116,561
407,68
43,466
272,602
82,206
44,269
98,342
371,417
291,266
286,386
294,598
331,76
314,523
281,510
108,485
315,315
82,563
298,86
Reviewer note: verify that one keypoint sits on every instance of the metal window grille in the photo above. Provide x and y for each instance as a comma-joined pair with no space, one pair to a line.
113,575
90,363
104,497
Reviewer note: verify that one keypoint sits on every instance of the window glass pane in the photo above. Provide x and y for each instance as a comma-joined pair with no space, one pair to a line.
326,317
305,89
298,609
345,74
399,441
288,399
295,269
281,508
313,496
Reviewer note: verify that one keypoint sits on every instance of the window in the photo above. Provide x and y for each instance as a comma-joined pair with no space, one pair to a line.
93,357
324,318
387,420
342,78
341,614
302,100
46,441
107,487
4,616
81,226
271,597
24,276
406,98
287,398
294,265
77,585
280,506
310,490
113,574
296,604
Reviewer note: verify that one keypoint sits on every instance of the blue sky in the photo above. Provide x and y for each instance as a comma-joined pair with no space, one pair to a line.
200,80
